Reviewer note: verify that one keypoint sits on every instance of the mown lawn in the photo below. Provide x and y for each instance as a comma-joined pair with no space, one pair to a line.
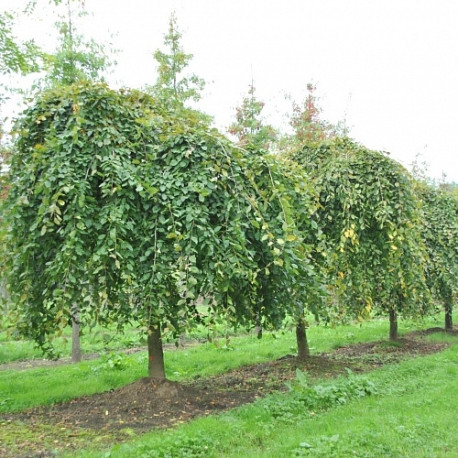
406,409
410,410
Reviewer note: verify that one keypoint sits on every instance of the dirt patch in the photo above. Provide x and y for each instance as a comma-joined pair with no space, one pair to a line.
427,332
365,356
140,406
149,403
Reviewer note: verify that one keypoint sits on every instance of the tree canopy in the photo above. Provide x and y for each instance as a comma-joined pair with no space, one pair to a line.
371,219
440,233
135,212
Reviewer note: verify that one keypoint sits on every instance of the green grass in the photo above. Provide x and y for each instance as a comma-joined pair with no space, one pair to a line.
93,340
441,337
44,386
411,410
410,413
100,340
96,340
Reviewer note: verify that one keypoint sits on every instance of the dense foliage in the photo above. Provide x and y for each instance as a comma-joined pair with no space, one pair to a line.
136,212
440,232
370,216
127,206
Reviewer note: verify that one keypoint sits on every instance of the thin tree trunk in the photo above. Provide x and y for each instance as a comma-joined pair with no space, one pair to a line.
265,294
258,327
393,324
448,316
4,295
156,367
303,351
76,344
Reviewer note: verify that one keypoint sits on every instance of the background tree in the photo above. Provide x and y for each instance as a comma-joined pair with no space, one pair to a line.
172,84
306,119
440,232
309,128
75,57
249,127
16,57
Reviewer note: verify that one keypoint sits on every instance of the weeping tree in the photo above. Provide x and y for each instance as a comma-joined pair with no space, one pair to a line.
289,281
74,59
136,212
16,58
370,216
273,281
440,232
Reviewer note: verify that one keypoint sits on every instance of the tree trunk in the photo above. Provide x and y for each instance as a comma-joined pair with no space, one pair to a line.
4,295
156,367
258,327
448,316
303,351
393,324
76,344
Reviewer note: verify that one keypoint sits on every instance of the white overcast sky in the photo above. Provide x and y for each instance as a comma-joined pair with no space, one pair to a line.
389,67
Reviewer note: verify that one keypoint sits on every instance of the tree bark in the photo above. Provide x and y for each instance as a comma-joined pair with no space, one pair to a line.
448,316
303,351
76,344
4,295
258,327
156,367
393,324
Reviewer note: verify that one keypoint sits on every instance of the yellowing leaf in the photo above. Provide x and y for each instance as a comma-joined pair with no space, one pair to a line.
349,233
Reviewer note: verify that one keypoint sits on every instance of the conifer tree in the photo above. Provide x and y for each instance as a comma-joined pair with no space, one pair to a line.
249,127
172,84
